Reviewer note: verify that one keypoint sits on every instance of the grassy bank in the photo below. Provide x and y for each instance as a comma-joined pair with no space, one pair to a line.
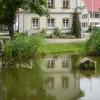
61,48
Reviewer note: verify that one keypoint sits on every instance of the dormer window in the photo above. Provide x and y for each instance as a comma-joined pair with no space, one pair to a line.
66,4
50,3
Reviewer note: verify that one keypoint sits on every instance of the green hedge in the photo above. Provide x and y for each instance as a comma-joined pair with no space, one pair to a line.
93,44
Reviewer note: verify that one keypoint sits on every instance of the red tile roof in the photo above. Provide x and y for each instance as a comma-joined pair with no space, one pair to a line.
96,5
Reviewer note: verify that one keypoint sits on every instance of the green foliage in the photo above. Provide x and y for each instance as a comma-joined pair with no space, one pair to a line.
23,83
76,26
9,9
90,29
56,32
93,44
43,33
63,48
24,47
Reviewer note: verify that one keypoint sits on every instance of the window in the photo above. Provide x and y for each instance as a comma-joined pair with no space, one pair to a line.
51,23
96,23
84,24
65,3
97,15
65,82
35,23
65,23
65,63
84,16
3,28
50,3
92,15
50,82
50,63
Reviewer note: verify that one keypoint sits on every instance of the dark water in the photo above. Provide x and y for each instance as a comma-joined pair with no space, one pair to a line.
55,77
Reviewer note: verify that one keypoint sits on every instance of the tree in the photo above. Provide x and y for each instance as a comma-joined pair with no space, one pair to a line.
9,9
76,26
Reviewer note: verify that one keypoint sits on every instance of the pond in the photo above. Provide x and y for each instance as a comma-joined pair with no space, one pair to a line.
54,77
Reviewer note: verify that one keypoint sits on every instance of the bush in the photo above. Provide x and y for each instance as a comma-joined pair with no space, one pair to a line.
93,44
22,47
56,33
43,33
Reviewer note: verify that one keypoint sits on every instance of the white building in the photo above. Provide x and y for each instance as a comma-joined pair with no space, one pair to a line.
93,9
84,18
61,16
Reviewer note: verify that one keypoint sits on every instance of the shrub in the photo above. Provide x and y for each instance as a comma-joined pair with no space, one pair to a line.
43,33
93,44
76,26
56,32
22,47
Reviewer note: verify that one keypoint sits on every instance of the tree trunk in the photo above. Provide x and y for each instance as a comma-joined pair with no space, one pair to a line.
11,31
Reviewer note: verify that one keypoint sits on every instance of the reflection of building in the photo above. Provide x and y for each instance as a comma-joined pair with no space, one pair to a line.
65,86
61,81
61,63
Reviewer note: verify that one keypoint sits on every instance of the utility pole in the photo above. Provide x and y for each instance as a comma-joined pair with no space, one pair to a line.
92,14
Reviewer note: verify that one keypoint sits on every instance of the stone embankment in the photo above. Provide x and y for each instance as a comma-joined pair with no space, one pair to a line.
66,40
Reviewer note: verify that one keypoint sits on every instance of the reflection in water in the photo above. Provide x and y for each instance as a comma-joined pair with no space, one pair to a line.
23,84
90,83
58,81
65,86
61,63
61,80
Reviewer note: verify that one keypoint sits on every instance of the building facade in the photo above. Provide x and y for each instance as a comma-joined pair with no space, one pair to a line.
61,16
84,18
93,9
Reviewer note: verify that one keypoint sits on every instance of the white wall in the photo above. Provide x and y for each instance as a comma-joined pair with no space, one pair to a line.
94,20
58,13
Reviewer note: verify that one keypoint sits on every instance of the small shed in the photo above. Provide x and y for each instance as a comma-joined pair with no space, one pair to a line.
87,64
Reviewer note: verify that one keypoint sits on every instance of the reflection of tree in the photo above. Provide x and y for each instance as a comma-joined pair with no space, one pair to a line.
22,84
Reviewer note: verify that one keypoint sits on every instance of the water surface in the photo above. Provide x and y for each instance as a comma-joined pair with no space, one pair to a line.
55,77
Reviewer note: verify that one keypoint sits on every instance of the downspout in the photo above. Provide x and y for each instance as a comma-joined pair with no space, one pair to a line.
18,21
23,21
76,4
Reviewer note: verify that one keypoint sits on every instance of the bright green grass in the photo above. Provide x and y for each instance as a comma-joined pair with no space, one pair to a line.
64,48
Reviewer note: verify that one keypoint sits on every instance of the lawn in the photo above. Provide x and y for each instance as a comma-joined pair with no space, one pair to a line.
64,48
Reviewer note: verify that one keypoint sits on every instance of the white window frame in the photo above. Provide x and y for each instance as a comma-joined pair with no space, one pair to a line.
36,24
51,24
51,3
50,82
65,82
84,24
65,23
66,6
50,63
64,62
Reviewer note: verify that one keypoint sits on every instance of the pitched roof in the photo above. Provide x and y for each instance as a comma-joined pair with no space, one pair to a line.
86,59
96,5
